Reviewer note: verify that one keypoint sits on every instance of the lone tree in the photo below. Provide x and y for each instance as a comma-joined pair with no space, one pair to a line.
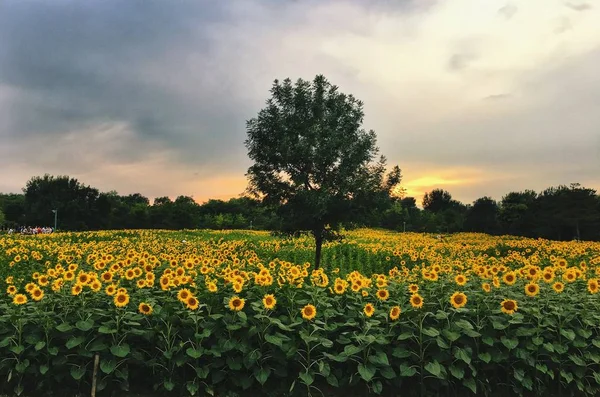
314,161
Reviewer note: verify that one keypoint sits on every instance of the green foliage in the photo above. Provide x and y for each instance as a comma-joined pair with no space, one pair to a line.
313,159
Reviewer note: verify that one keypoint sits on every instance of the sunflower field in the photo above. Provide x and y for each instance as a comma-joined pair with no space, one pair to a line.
242,313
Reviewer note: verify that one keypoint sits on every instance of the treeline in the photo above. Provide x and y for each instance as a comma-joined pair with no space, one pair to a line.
558,213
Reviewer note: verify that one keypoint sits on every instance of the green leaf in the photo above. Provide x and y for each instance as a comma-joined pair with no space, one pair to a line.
120,350
77,372
457,372
388,372
451,335
262,375
6,341
577,360
64,327
193,353
488,340
97,346
22,366
40,345
470,383
407,371
510,343
434,368
107,366
106,330
568,333
74,342
463,355
43,369
379,358
464,324
85,325
192,388
18,349
432,332
307,378
351,350
324,368
332,380
485,357
405,335
274,340
442,343
366,372
168,385
377,387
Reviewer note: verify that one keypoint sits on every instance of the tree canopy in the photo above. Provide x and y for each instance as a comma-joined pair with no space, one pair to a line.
314,160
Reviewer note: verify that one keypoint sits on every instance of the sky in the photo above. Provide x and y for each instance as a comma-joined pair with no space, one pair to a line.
476,97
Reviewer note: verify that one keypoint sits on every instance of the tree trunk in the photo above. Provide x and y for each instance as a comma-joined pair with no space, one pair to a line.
319,244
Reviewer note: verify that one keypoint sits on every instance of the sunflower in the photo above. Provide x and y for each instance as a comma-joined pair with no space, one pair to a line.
37,294
509,306
340,288
532,289
83,278
413,288
308,312
569,276
76,289
183,295
458,300
121,299
383,294
96,285
107,277
460,279
548,276
509,278
395,313
238,287
69,276
110,290
486,287
558,287
43,281
416,301
269,301
212,287
141,283
192,303
236,304
364,293
30,287
11,290
19,299
592,285
369,309
145,308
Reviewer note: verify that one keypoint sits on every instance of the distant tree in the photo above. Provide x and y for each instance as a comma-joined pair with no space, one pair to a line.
74,201
2,218
314,160
516,214
13,207
437,200
482,216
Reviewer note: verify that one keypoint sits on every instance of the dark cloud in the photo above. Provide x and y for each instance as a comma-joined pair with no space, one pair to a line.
579,7
497,97
508,11
72,65
458,62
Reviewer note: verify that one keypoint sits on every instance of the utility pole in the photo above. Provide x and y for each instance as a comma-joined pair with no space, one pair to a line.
55,218
404,226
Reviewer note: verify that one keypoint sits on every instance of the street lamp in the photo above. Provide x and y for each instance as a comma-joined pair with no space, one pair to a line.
55,218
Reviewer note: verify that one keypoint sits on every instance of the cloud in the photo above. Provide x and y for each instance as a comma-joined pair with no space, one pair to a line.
508,11
579,7
153,97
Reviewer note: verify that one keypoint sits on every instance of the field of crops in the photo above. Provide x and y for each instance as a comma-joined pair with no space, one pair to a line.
243,313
